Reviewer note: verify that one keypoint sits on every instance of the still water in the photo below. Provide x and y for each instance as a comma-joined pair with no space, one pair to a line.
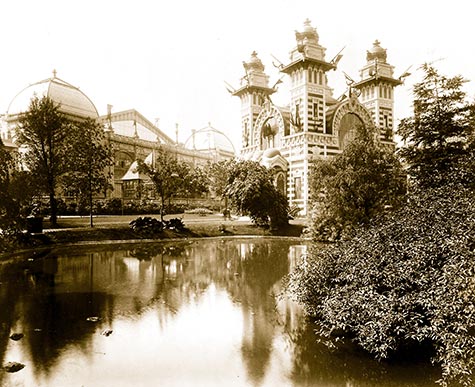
201,313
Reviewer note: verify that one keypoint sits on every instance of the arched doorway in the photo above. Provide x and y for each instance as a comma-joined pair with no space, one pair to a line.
349,125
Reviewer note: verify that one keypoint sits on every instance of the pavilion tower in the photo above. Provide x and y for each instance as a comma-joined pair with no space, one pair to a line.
254,92
310,96
309,90
377,90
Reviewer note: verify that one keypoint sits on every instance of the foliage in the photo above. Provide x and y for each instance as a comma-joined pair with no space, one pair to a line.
405,281
167,174
147,227
6,200
199,211
16,195
43,132
218,176
437,137
90,159
251,190
175,224
197,182
351,188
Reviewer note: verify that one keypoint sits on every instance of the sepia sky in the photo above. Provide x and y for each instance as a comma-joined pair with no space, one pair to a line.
169,59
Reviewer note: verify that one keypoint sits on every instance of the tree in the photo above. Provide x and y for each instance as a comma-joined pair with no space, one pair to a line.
197,182
404,282
404,285
167,174
90,157
351,188
436,138
218,176
16,192
251,190
6,201
43,132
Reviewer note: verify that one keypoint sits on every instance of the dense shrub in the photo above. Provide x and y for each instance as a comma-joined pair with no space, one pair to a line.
406,281
199,211
251,191
146,226
174,208
355,186
175,224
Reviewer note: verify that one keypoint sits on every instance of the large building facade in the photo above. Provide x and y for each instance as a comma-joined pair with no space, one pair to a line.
314,123
132,136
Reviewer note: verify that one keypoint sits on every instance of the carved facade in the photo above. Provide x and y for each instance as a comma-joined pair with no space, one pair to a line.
314,123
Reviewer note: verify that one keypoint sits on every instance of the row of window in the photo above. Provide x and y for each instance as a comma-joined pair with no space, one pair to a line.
313,76
384,92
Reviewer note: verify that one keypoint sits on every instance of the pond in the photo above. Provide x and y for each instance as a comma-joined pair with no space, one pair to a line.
192,313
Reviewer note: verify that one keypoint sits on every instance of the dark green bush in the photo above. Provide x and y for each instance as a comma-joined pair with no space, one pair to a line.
175,224
113,206
146,226
406,281
173,208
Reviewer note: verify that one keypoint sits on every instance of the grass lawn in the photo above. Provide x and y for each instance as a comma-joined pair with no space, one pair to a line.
77,229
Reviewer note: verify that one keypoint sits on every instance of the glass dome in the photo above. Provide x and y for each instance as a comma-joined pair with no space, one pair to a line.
210,139
73,102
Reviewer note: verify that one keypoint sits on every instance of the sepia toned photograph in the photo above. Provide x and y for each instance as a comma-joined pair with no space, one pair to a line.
248,193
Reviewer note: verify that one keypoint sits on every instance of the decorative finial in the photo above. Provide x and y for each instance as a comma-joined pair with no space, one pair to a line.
54,73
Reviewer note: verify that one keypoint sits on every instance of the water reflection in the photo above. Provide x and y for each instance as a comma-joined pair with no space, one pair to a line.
193,313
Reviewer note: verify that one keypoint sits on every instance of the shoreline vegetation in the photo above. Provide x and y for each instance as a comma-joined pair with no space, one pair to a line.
75,230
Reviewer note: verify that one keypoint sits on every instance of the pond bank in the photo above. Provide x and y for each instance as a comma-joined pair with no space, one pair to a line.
76,230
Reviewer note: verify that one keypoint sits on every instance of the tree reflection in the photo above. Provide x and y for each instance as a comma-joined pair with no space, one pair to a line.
49,299
263,265
49,320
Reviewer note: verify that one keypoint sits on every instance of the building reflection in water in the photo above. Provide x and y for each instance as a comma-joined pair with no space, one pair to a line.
204,312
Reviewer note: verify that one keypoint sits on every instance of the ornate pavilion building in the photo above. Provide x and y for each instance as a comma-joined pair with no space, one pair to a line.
314,123
132,136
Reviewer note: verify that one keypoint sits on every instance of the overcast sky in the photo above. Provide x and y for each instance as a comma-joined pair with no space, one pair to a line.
169,59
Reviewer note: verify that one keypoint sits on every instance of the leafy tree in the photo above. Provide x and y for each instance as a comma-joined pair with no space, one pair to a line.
16,192
436,138
43,131
351,188
404,284
218,175
167,174
6,201
405,281
197,182
90,156
251,190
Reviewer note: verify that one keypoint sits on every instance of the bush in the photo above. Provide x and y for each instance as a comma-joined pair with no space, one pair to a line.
173,208
112,206
146,226
175,224
199,211
406,281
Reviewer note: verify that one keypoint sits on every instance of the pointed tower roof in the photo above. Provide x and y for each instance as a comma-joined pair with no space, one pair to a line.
308,50
377,69
255,77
